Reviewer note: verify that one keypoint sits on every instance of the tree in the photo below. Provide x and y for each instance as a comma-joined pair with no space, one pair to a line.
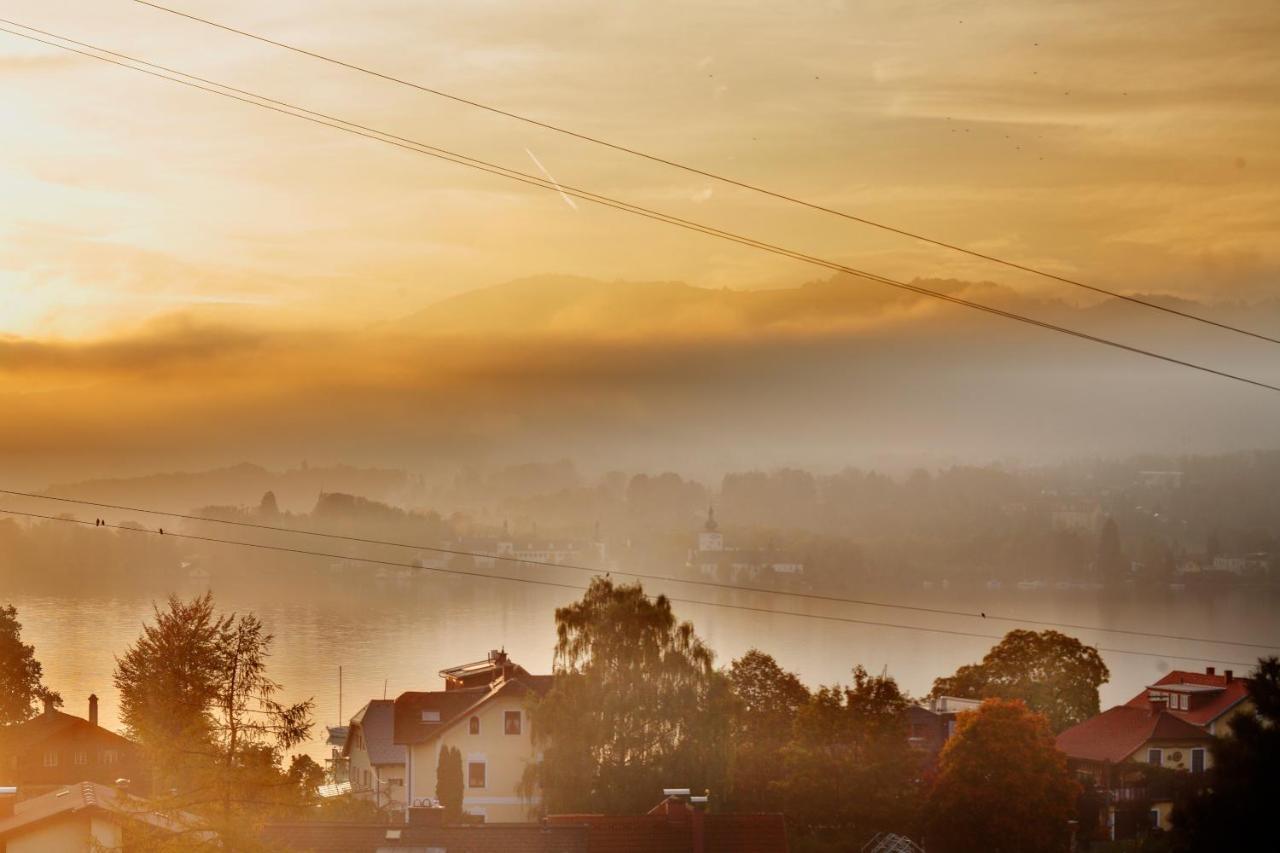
307,776
1056,675
449,782
195,693
1241,801
636,706
1111,566
21,687
849,767
1002,786
768,698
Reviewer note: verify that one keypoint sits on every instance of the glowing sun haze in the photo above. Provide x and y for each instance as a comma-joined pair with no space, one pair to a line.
1130,144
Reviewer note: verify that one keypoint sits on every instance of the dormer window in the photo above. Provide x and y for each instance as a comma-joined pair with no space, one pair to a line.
430,716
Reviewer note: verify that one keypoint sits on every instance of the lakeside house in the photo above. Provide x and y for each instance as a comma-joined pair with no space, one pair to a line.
482,712
1135,755
53,749
932,722
374,762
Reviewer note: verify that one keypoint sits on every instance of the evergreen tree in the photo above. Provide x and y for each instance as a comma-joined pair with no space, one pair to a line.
21,688
449,781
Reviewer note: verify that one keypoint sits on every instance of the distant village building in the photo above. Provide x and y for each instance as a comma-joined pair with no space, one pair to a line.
713,560
482,712
502,549
1171,725
1161,479
1256,566
375,764
54,749
1085,518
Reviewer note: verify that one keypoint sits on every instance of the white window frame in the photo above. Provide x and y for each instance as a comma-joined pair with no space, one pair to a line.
506,715
50,758
430,716
81,757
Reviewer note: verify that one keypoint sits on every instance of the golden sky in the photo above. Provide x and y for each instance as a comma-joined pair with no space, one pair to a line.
1131,143
173,261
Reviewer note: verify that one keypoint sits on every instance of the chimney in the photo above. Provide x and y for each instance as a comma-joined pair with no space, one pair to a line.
1208,670
1228,674
93,709
48,705
8,798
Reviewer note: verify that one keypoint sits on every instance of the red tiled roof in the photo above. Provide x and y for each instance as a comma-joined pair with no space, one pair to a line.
21,738
1116,734
88,797
1209,709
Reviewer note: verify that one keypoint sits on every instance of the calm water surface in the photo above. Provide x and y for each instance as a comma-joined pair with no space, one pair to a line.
391,635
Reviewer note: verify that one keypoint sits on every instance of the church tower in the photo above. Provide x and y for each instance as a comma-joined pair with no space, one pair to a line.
710,539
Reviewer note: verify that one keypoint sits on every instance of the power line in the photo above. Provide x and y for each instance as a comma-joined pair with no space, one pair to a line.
586,195
712,175
539,582
646,576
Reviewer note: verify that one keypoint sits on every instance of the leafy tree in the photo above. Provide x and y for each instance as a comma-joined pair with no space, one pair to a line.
768,698
21,687
195,693
449,782
1002,785
1056,675
306,775
849,766
636,706
1241,801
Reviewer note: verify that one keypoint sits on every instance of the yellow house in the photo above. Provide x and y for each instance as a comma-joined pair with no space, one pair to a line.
483,712
1114,748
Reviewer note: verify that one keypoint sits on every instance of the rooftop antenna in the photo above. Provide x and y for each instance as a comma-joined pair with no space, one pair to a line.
384,687
339,694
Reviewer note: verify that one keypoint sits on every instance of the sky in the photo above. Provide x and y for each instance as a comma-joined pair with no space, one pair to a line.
165,253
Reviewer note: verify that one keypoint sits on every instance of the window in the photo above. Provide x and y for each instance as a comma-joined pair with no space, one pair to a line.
51,758
1155,819
430,716
474,726
511,722
1197,760
82,757
1154,756
109,756
475,774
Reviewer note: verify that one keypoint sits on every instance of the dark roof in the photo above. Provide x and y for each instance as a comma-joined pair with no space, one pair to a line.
377,722
25,736
87,798
452,705
1116,734
1233,691
320,837
673,832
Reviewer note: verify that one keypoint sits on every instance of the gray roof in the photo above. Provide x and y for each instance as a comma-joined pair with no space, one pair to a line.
89,797
377,721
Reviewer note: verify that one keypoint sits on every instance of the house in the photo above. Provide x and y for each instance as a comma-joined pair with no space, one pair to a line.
53,749
82,818
488,552
1116,751
1206,699
932,722
713,560
482,712
375,763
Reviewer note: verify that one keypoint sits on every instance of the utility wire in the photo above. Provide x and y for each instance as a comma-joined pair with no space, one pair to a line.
539,582
665,578
712,175
586,195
